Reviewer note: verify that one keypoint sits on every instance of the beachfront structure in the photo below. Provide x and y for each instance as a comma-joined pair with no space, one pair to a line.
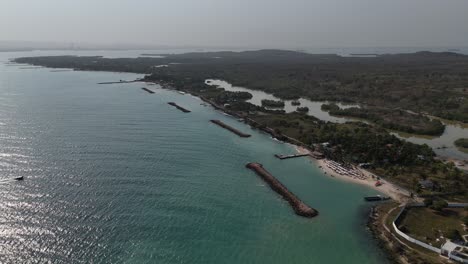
365,165
317,155
426,184
455,252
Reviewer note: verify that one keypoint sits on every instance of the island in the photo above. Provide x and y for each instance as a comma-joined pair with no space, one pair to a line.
272,103
304,109
462,144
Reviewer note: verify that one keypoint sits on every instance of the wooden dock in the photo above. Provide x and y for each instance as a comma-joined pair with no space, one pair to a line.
121,81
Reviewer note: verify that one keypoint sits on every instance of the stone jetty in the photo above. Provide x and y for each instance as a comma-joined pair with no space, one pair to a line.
233,130
148,90
179,107
300,208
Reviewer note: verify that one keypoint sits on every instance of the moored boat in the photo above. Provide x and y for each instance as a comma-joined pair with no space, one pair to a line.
376,198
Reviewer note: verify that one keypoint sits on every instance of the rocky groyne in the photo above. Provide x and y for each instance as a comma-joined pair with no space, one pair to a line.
233,130
179,107
300,208
148,90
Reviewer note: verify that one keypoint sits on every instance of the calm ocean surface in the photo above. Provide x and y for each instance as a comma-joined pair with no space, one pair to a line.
115,175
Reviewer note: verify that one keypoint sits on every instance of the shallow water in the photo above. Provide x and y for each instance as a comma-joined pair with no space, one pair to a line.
115,175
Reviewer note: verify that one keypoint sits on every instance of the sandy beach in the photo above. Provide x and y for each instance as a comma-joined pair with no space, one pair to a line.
368,179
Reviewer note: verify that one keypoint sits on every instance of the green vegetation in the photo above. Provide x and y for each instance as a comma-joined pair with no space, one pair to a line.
295,103
225,97
462,144
392,119
304,109
428,225
272,103
330,107
439,205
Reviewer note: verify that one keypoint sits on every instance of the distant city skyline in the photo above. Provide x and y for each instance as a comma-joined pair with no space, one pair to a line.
242,23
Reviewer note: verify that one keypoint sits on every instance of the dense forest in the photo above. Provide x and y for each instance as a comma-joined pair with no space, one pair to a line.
272,103
395,119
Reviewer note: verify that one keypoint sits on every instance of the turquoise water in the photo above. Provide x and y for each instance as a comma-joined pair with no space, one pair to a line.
115,175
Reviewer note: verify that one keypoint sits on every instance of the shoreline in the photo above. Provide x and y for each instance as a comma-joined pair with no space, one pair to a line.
397,194
393,191
387,188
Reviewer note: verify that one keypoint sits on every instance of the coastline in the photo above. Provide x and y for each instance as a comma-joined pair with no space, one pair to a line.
398,194
391,190
387,188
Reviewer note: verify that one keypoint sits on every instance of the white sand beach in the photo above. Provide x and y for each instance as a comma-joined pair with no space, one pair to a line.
361,176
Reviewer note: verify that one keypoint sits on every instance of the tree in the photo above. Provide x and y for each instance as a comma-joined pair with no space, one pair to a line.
428,201
465,220
454,234
439,205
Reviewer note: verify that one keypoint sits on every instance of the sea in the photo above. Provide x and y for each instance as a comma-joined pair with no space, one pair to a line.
113,174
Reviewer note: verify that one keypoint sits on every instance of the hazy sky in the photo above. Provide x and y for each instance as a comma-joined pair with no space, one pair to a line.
267,23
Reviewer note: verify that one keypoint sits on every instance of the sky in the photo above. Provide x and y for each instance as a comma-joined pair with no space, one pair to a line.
239,23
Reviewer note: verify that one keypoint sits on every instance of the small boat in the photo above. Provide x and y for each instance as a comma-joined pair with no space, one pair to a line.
376,198
20,178
378,183
181,92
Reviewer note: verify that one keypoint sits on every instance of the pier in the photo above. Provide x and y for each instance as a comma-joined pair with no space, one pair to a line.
282,157
179,107
121,81
233,130
300,208
64,70
148,90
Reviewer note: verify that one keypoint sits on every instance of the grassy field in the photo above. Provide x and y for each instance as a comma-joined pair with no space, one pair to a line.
433,227
397,252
